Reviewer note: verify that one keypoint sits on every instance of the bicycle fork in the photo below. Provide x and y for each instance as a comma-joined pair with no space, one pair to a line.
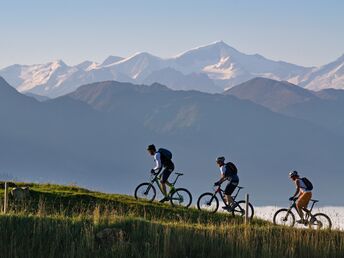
288,212
211,199
147,190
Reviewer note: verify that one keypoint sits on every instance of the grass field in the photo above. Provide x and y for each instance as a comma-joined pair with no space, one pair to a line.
63,221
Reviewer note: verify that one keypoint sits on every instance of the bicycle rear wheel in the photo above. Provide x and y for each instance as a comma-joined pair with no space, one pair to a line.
320,221
181,197
239,209
145,191
208,202
284,217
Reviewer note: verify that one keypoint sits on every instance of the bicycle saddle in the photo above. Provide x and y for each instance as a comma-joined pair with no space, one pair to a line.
240,187
179,174
314,200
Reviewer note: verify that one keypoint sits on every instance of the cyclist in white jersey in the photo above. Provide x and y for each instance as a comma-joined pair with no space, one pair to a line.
303,194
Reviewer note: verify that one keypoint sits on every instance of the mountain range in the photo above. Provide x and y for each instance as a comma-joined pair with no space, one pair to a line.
211,68
324,108
96,136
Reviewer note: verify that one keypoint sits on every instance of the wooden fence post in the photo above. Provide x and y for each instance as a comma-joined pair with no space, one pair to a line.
6,198
247,199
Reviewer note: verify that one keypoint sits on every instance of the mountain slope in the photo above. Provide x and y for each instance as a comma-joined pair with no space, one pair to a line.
178,81
328,76
272,94
183,118
10,98
323,108
111,60
97,137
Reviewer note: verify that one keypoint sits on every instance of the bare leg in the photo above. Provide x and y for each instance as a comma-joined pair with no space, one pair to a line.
300,211
169,184
229,199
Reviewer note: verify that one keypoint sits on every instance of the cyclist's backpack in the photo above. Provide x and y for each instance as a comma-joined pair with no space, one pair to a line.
308,184
231,169
165,153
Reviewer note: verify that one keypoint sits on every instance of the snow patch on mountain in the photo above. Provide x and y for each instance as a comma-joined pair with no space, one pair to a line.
223,66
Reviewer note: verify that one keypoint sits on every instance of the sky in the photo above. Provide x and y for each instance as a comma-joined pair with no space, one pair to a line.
304,32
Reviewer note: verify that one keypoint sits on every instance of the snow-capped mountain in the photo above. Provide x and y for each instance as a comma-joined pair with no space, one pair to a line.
328,76
229,67
111,60
211,68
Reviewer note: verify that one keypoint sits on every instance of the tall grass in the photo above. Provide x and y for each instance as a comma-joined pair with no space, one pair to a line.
65,223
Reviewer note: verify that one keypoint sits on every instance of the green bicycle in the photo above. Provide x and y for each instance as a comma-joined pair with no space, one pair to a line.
177,196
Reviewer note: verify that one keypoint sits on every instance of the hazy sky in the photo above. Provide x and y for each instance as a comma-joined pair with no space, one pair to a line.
306,32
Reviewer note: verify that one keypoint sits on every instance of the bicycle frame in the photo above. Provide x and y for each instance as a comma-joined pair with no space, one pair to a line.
221,193
308,211
155,179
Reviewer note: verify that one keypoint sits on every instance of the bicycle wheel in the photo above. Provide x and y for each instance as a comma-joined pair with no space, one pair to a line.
181,197
239,209
284,217
145,191
320,221
208,202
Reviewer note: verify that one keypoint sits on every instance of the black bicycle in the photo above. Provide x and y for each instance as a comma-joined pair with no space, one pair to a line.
286,217
209,202
177,196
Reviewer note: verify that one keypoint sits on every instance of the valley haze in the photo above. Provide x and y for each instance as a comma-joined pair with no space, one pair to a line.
96,136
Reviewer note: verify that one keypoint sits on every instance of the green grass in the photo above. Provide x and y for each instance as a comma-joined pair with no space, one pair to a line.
62,221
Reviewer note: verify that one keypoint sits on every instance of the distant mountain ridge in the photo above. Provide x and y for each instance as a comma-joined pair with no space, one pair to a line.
211,68
272,94
97,136
324,108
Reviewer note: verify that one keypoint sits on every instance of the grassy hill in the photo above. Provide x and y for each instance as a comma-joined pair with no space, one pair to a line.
68,221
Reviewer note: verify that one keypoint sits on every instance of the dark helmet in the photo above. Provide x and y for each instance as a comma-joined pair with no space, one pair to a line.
293,173
151,147
220,159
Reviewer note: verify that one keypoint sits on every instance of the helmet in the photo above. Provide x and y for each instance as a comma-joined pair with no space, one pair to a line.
151,147
220,159
293,173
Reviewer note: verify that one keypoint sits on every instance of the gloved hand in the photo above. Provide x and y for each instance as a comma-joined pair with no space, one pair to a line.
152,171
217,184
291,198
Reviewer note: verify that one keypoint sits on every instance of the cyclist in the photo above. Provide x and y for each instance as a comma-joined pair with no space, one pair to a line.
303,193
163,164
228,172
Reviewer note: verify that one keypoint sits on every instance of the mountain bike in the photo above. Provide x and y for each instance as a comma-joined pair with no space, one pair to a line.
209,202
177,196
286,217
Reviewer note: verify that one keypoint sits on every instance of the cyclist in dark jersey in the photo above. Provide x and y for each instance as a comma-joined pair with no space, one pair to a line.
163,165
232,184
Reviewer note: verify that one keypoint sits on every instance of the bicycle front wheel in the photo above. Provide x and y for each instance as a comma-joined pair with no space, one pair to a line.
145,191
208,202
284,217
320,221
239,209
181,197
